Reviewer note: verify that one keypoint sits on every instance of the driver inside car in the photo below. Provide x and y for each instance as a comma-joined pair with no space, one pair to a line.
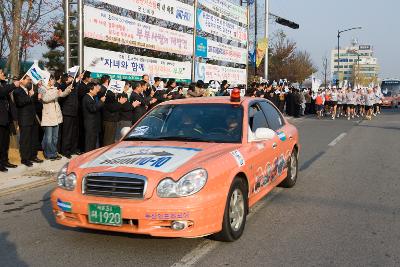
233,126
188,127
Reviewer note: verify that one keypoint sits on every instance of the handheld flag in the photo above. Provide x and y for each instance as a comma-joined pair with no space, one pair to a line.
116,86
73,71
37,74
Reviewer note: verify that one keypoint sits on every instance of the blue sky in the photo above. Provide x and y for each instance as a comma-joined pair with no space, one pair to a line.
320,20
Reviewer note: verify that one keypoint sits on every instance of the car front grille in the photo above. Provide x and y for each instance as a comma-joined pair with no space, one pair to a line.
116,185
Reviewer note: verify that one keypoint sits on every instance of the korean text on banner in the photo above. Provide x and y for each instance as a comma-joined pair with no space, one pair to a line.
220,73
218,51
220,27
109,27
109,62
171,10
227,9
116,86
37,75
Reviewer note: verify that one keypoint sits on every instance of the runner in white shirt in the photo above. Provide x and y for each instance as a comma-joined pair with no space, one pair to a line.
351,101
369,103
334,102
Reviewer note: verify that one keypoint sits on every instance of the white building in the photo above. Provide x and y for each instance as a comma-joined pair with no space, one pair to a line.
354,60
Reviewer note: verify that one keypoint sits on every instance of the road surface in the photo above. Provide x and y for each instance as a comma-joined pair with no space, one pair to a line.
344,211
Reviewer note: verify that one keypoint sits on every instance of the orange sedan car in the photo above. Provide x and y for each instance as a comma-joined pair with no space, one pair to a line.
188,168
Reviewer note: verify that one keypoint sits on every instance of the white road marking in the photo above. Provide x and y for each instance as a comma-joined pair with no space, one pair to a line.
337,140
206,246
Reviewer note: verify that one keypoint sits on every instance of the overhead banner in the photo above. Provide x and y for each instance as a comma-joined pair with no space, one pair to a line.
218,51
171,10
227,9
262,47
105,26
217,26
127,66
219,73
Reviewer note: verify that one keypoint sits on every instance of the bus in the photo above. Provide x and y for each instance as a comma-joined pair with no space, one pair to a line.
391,92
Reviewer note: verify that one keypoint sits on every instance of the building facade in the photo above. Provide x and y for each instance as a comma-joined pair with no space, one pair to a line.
357,64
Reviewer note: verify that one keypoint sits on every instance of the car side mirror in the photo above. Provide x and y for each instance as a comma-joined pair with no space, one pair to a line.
265,134
125,131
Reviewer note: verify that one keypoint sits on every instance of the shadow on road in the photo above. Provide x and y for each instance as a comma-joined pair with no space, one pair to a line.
8,253
380,127
309,162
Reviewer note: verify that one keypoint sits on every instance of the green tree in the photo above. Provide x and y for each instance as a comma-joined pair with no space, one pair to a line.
55,56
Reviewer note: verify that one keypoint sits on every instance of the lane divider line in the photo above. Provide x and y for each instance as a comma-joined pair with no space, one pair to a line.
337,140
206,246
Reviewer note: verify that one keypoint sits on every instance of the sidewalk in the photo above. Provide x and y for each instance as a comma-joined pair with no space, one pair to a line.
25,178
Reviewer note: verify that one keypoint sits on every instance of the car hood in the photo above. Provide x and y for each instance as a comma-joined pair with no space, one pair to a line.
154,160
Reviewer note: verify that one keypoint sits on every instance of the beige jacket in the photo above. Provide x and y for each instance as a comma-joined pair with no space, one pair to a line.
51,114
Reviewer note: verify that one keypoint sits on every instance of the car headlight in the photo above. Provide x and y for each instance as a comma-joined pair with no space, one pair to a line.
65,180
188,185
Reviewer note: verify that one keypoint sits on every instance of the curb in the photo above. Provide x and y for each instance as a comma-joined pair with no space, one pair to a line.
26,186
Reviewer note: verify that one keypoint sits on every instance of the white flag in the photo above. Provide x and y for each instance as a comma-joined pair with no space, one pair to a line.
116,86
73,71
37,75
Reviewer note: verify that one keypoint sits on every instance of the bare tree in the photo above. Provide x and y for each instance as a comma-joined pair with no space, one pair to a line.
325,70
25,23
286,61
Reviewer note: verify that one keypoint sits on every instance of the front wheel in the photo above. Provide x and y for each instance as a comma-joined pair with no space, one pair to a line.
291,178
236,210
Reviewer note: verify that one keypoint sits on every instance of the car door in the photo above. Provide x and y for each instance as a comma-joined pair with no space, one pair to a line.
276,122
263,152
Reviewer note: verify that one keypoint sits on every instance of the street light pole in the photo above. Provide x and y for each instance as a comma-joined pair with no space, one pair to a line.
338,49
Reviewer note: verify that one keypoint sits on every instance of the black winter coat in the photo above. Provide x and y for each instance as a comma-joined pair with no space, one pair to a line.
91,113
26,109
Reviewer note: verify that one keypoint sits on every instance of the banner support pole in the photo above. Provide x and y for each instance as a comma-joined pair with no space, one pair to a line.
194,42
80,34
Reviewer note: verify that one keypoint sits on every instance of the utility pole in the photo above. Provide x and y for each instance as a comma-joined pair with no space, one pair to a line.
266,36
338,49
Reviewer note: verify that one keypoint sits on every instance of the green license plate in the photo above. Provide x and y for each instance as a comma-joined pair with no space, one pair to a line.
105,214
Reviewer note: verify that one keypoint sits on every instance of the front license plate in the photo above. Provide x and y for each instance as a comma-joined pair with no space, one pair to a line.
105,214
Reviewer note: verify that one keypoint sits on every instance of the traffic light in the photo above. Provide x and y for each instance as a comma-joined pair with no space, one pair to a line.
287,23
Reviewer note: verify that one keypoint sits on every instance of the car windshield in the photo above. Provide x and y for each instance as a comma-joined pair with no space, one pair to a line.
219,123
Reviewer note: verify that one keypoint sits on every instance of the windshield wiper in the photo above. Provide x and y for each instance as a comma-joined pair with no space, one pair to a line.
184,138
141,138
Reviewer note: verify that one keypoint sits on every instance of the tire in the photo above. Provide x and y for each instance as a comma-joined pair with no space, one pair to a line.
233,224
293,170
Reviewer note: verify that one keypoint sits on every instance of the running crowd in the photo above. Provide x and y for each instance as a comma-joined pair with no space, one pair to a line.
74,115
331,102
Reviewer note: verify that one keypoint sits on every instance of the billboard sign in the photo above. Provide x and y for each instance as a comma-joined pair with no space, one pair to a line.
105,26
208,72
171,10
217,26
227,9
127,66
206,48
